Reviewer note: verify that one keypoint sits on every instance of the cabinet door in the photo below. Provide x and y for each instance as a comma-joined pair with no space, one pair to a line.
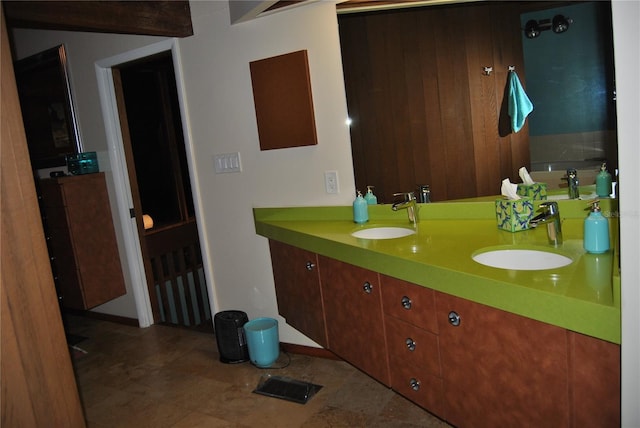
295,272
501,369
353,310
595,382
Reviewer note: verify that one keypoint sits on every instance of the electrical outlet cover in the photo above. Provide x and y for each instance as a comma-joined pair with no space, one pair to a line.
331,182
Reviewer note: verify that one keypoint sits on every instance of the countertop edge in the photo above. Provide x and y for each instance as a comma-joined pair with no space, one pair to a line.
584,317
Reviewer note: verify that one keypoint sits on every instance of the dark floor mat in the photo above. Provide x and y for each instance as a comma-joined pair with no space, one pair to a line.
286,388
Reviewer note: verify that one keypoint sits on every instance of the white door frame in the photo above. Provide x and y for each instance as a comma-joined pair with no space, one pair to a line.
124,199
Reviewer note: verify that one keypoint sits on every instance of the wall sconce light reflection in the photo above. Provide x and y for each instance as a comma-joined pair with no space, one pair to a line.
559,24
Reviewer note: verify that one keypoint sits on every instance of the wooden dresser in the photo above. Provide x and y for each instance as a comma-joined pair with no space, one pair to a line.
81,240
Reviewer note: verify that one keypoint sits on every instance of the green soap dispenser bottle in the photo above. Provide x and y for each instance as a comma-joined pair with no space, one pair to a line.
603,182
370,197
360,210
596,231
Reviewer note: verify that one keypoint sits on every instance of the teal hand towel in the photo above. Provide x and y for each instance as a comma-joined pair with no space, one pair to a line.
519,103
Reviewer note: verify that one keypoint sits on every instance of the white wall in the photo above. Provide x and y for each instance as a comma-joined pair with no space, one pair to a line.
217,82
221,117
626,36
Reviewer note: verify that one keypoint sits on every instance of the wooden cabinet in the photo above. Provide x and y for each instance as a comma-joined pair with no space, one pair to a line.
81,239
501,369
353,310
412,342
285,118
297,281
470,364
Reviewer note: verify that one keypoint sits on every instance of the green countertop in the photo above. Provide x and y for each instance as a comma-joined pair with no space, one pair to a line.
583,296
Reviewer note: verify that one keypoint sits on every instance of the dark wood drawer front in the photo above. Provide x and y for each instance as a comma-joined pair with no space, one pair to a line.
409,302
412,347
415,373
423,389
55,216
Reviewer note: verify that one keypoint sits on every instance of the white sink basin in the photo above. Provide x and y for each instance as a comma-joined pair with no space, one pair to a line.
383,233
522,259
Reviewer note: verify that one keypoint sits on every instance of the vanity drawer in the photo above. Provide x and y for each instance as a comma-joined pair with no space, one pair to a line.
412,347
409,302
423,389
414,363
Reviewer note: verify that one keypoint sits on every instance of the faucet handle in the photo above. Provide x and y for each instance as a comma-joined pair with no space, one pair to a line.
408,196
550,207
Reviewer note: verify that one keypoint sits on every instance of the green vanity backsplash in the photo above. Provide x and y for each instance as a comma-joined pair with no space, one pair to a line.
583,296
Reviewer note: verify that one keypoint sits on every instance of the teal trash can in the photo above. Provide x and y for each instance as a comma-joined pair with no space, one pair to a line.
263,341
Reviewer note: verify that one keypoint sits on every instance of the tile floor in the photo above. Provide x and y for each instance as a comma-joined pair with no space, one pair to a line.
169,377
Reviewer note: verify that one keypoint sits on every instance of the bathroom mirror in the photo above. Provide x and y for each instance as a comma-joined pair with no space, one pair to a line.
585,93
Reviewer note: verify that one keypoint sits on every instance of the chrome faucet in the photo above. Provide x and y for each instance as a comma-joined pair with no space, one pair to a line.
551,217
409,203
572,180
424,194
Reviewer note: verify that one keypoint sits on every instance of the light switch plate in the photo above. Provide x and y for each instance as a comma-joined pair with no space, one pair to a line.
227,162
331,182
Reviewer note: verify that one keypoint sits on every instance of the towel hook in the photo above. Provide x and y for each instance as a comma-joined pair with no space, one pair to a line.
487,71
512,68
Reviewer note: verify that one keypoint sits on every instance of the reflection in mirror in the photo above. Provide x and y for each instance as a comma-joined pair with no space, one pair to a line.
570,81
425,112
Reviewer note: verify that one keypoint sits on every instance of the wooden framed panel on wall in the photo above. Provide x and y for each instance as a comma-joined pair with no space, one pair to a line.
283,101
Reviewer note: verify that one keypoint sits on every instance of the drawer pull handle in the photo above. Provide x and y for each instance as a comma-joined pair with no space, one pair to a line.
310,265
414,384
406,302
411,344
367,287
454,318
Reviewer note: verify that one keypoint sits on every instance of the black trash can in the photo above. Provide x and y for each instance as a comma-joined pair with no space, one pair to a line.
230,336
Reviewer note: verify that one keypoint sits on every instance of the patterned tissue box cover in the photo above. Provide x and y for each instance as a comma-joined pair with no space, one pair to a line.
535,191
514,216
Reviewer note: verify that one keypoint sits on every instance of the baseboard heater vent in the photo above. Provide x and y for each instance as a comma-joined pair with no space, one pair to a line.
286,388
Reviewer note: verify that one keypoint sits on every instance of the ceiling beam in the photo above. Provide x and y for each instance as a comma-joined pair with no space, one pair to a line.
170,18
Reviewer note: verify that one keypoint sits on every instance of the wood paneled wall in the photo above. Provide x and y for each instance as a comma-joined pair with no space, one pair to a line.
423,110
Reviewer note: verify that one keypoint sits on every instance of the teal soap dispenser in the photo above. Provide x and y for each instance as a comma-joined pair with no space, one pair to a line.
360,210
603,182
370,197
596,231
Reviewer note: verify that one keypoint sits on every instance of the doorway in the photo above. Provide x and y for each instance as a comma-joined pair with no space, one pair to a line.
163,208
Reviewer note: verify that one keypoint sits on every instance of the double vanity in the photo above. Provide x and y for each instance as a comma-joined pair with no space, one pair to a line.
424,310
